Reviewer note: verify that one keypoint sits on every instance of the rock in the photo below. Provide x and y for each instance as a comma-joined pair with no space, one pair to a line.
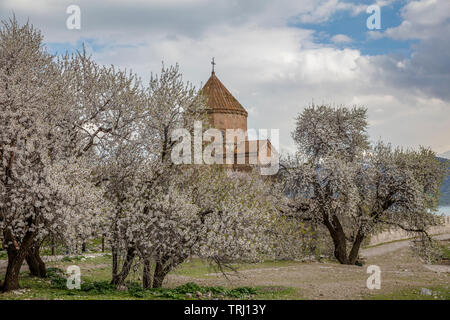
199,294
308,259
425,292
188,295
122,288
20,291
209,295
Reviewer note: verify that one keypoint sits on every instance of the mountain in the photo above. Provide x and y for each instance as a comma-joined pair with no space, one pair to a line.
445,155
445,189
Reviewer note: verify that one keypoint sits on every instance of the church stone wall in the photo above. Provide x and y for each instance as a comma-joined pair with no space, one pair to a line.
223,121
398,234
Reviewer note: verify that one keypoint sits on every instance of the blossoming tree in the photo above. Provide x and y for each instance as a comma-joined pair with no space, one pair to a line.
354,189
59,118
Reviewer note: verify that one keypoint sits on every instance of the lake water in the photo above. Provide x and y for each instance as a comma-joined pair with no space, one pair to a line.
444,210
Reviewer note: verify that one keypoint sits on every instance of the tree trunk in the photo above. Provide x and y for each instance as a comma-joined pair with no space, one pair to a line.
35,263
147,275
354,252
119,279
339,240
16,257
340,250
115,261
83,247
12,274
115,250
160,274
103,244
163,267
53,245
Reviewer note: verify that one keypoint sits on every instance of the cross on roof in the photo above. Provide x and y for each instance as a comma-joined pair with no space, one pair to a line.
213,64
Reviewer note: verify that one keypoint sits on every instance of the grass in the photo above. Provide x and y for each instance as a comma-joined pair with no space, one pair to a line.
91,247
96,274
99,268
92,269
445,249
438,293
201,269
45,289
54,288
277,293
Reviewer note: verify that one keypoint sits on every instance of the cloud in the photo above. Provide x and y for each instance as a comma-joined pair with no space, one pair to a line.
276,71
273,69
341,38
133,19
323,10
423,19
428,69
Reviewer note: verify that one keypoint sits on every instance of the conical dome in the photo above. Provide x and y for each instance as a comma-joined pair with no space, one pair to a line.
219,99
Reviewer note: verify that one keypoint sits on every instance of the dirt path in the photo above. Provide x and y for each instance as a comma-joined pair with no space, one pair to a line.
399,269
393,246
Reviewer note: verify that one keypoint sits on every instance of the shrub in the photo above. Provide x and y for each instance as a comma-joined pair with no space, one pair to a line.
97,287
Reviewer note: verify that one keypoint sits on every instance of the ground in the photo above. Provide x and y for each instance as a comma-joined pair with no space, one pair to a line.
403,276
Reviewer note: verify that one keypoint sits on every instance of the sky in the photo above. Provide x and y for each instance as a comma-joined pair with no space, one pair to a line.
278,57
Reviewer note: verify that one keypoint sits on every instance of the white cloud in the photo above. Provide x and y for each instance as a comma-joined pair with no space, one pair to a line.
274,70
423,19
341,38
324,9
133,19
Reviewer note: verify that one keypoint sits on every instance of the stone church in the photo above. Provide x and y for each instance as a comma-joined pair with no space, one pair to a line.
225,112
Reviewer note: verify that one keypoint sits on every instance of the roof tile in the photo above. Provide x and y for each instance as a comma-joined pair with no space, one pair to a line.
219,99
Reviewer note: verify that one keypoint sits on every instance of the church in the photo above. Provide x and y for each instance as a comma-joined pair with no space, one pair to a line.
226,113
